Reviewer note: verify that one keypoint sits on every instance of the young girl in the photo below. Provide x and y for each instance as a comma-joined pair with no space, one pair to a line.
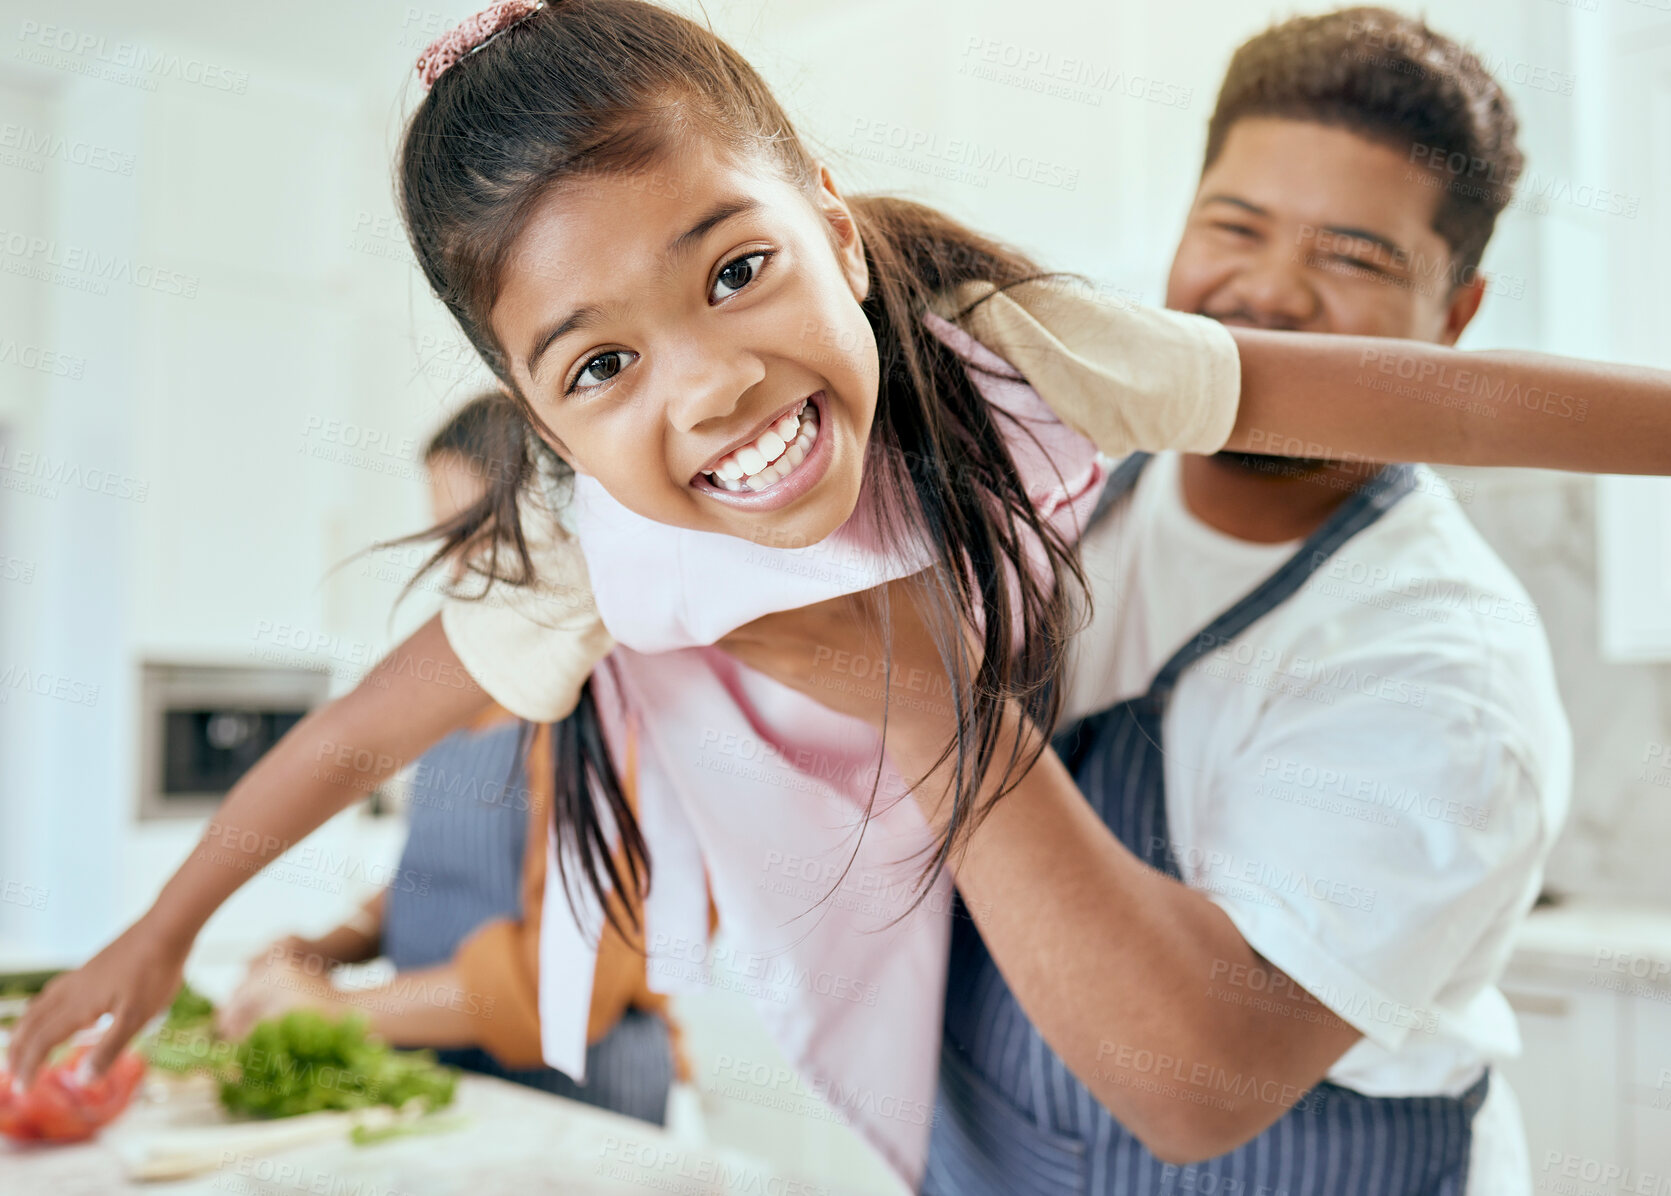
625,225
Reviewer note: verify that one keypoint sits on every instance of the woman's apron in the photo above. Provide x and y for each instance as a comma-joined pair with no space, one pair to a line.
462,868
1011,1118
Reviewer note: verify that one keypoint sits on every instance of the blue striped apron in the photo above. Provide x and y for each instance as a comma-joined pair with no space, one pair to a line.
461,868
1011,1119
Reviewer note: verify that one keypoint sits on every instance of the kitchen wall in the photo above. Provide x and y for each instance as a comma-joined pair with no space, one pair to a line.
1613,845
1594,279
24,201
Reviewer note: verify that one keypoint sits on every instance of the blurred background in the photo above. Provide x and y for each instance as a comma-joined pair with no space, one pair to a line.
218,364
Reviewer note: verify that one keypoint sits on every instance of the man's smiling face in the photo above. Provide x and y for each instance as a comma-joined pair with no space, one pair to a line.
1310,227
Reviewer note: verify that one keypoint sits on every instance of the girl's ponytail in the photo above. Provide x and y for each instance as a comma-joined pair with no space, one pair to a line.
491,436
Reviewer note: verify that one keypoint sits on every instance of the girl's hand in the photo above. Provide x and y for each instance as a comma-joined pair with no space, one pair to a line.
275,985
132,979
833,652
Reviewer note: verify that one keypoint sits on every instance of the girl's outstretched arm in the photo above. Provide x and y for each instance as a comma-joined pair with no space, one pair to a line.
1130,377
1378,399
332,758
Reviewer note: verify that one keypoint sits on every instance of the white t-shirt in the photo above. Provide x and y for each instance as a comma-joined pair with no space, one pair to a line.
1367,780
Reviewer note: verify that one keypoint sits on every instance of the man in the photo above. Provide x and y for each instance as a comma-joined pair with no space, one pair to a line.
1335,731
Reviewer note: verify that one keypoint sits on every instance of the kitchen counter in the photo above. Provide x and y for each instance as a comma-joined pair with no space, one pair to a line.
1590,985
1598,940
516,1141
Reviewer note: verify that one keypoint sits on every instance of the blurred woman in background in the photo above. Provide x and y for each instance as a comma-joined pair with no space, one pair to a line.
461,922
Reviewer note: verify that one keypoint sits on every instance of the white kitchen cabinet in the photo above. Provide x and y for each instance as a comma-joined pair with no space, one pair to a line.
1647,1088
1567,1078
1591,986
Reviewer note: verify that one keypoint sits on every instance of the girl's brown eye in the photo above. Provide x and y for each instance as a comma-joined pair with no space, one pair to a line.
599,369
737,274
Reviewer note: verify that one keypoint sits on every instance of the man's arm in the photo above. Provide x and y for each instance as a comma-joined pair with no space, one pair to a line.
1133,378
1236,988
1373,398
1144,986
1107,956
1114,961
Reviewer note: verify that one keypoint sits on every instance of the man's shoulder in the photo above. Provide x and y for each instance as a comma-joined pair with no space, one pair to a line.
1415,608
1421,567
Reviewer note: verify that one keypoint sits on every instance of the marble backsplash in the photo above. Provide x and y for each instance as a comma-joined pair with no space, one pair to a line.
1618,833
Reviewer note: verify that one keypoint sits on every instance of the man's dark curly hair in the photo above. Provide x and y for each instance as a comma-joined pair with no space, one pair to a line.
1391,79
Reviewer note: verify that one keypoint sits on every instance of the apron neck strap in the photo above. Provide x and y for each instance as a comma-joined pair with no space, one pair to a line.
1362,508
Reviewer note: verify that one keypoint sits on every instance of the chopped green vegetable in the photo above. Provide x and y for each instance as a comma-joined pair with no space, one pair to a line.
304,1063
15,990
189,1010
186,1041
24,984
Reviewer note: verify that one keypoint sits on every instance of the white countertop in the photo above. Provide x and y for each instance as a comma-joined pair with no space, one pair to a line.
517,1141
520,1140
1586,933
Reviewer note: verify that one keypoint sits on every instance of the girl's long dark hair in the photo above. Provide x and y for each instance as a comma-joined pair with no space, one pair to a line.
601,88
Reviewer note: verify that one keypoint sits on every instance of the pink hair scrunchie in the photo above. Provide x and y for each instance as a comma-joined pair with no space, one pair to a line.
471,34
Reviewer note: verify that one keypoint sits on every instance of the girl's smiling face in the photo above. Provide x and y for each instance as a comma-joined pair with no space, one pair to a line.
691,337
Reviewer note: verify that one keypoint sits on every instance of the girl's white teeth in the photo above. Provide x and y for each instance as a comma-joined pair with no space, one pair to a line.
770,458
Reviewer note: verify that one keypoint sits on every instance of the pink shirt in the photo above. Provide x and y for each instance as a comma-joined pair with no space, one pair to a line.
759,792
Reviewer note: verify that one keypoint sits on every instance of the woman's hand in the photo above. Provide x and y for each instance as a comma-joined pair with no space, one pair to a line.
833,652
132,979
276,984
292,945
321,953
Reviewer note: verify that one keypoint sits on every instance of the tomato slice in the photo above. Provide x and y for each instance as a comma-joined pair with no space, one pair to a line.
51,1112
100,1100
11,1115
58,1109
